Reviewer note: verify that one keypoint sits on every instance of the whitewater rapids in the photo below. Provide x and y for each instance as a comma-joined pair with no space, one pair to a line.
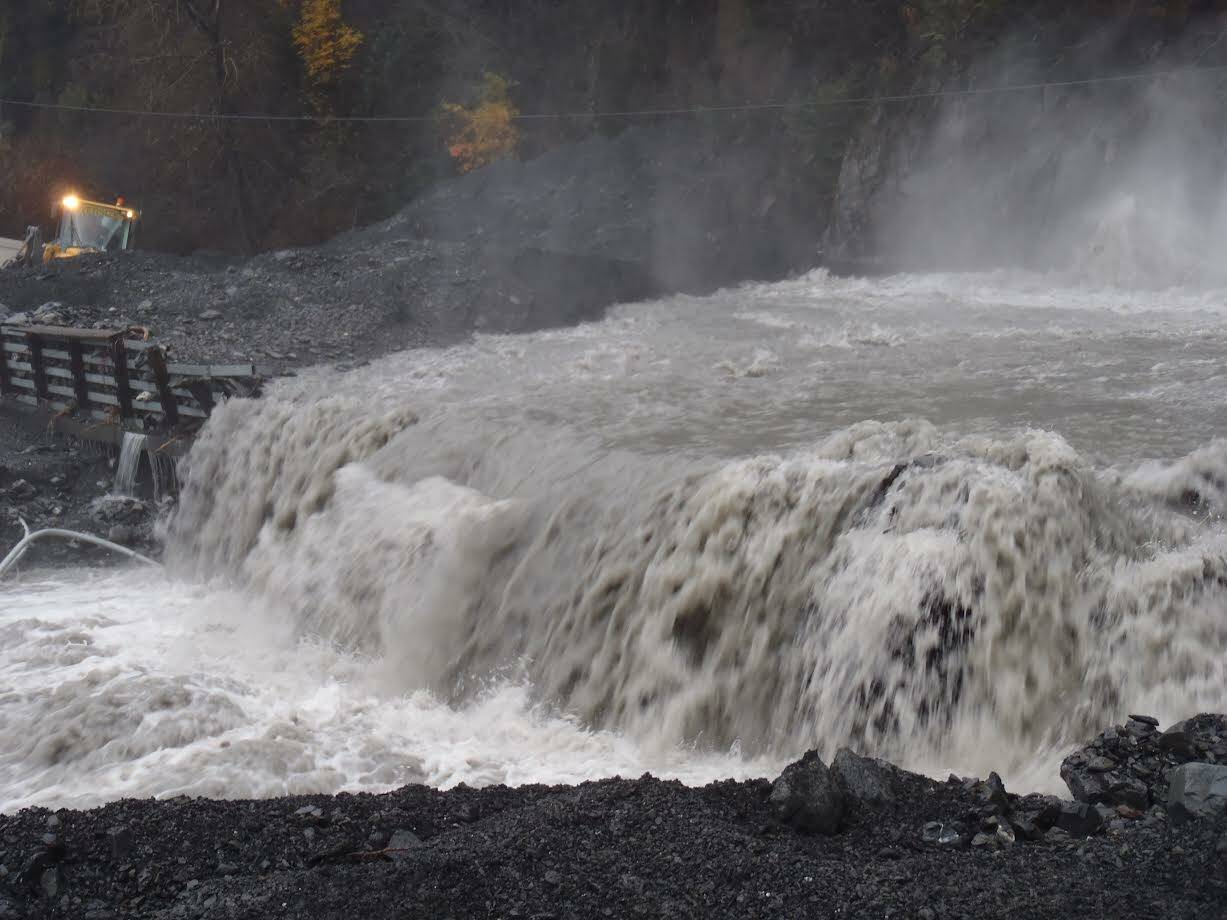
959,521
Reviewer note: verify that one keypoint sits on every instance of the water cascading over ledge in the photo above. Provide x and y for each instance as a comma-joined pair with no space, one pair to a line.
887,588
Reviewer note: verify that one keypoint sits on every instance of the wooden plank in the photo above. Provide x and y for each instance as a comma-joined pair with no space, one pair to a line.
78,376
145,408
66,374
188,370
119,355
61,391
232,370
157,364
65,333
36,365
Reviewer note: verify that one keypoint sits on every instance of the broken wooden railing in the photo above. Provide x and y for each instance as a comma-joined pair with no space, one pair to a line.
108,381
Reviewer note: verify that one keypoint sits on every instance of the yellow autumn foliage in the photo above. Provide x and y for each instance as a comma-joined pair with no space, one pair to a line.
324,41
486,131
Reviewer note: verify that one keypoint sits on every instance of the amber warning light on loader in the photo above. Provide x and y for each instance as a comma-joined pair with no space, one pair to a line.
71,202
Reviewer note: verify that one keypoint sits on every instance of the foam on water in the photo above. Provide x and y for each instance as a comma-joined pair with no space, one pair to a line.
667,541
167,688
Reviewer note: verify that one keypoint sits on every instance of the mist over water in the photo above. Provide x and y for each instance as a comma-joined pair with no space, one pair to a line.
962,521
1118,182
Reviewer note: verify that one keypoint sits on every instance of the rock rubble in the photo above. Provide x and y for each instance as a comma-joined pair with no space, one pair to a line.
620,848
1130,765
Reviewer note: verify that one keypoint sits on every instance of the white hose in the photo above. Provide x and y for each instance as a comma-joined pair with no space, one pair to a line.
28,540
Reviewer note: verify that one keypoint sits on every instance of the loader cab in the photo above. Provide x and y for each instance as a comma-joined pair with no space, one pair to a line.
90,226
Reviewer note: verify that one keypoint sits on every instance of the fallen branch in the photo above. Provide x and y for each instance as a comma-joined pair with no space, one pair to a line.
29,539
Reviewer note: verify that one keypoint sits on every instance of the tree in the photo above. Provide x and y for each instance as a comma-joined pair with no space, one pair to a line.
486,131
325,43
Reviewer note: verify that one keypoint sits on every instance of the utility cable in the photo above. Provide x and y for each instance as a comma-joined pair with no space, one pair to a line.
640,113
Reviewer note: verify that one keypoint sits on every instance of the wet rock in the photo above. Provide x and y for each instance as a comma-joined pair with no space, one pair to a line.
864,779
1176,741
1026,829
1128,792
1130,764
1078,819
992,792
1198,790
953,836
806,796
931,832
22,489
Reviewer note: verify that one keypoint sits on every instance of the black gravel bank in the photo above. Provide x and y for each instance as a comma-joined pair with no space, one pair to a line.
905,847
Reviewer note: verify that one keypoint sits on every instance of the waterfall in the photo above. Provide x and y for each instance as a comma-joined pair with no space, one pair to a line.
129,462
127,470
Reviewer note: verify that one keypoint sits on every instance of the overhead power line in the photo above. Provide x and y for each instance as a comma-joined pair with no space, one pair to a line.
640,113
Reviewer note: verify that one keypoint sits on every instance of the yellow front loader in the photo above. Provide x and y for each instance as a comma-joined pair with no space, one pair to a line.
91,226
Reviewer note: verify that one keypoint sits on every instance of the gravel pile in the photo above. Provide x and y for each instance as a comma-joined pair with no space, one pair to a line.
1130,765
514,247
615,848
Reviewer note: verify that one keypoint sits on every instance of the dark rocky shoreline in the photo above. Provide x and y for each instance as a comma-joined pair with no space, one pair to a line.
619,848
48,481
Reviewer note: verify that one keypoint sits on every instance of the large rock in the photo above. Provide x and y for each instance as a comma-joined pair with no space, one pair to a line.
807,797
1130,764
1079,819
1198,790
865,779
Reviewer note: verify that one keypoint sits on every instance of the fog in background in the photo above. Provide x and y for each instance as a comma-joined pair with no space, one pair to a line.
1114,183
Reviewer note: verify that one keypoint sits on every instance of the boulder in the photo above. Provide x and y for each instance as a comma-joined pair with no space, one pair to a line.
865,779
1130,764
1198,790
807,797
1079,819
992,792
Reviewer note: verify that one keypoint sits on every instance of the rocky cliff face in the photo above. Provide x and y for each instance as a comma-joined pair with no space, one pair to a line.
1119,181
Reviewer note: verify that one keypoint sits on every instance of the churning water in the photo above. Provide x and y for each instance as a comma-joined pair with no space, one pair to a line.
959,521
